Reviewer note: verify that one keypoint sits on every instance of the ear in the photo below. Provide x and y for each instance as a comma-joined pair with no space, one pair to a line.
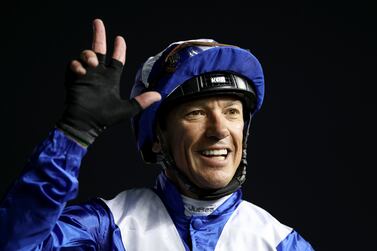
156,147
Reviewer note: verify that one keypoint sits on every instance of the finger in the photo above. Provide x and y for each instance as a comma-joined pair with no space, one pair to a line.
77,68
99,37
148,98
89,57
120,49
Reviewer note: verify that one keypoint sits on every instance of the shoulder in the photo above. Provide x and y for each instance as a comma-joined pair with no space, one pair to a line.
131,196
262,223
137,201
260,218
259,228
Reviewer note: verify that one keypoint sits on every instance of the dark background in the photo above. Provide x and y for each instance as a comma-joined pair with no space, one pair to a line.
312,146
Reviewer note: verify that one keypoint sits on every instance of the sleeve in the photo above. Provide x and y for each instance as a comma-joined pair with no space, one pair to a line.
294,242
33,214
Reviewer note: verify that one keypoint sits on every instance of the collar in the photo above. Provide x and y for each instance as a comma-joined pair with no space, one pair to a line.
173,202
172,199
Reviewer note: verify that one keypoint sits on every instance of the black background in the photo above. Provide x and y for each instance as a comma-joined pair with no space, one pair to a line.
312,146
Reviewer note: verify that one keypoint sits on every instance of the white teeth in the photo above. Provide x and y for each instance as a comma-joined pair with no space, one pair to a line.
215,152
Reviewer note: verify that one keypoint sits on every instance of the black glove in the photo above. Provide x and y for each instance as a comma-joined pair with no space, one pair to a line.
93,101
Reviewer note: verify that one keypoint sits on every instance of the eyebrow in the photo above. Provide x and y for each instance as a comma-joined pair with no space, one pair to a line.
228,101
233,102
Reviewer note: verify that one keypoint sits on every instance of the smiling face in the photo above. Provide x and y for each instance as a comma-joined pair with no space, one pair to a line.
205,138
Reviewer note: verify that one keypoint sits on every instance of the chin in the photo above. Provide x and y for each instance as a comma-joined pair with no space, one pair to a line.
214,181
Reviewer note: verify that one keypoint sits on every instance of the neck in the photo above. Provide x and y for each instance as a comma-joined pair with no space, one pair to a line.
171,174
189,189
195,207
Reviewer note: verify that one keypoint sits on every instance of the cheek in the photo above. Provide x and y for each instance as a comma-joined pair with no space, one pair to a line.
188,139
185,146
238,139
181,141
238,132
174,139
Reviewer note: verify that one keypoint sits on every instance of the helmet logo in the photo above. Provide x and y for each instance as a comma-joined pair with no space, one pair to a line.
214,80
220,79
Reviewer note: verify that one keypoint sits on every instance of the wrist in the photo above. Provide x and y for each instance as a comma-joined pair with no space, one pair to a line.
81,138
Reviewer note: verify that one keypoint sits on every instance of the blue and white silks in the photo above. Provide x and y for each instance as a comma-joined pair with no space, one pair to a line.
34,215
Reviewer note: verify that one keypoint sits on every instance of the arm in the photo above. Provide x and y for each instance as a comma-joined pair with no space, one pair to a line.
294,242
32,214
32,207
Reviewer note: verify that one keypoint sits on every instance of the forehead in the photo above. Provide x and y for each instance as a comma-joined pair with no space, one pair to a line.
222,100
170,110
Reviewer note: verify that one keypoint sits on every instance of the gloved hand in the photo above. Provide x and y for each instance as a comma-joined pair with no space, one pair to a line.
93,101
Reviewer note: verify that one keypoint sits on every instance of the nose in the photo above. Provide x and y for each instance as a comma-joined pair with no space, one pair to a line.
216,126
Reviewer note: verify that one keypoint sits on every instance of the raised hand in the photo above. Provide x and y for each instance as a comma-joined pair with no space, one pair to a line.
93,101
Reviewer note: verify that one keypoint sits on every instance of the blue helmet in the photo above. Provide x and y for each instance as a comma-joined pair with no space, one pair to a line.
190,68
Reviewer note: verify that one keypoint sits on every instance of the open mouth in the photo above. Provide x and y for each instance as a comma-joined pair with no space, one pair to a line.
220,154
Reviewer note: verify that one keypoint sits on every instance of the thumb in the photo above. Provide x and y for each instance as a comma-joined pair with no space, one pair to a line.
148,98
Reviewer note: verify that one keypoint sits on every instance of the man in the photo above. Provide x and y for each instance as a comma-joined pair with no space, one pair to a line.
198,98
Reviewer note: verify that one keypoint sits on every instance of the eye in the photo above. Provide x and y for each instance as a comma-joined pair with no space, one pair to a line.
195,114
233,112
